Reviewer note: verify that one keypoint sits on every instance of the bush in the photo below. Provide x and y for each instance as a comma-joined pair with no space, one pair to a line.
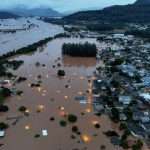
5,92
14,64
122,126
21,79
3,108
138,145
103,147
19,93
2,99
75,129
72,118
61,73
124,144
3,126
37,136
63,123
111,133
115,114
22,109
97,126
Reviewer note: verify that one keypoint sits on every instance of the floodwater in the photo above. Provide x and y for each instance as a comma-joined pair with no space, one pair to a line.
55,100
28,31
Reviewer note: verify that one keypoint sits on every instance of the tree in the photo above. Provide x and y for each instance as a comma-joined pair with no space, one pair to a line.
115,114
79,50
5,92
3,108
123,126
3,126
138,145
72,118
63,123
22,109
61,73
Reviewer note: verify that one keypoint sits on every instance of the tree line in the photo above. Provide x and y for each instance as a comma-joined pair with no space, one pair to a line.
79,50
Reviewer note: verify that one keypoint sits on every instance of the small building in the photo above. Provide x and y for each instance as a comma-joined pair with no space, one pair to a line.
125,100
129,70
146,81
146,127
98,107
146,97
2,133
122,117
137,115
143,117
5,83
115,140
44,132
137,130
81,99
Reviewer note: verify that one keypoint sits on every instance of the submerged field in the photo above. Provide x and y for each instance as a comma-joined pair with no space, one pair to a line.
18,33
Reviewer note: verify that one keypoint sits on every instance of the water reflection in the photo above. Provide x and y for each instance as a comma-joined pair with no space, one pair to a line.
78,61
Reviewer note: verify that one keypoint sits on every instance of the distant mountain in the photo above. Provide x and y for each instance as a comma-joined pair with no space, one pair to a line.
7,15
42,11
137,12
142,2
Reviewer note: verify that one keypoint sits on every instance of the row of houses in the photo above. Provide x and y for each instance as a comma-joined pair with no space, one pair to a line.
123,83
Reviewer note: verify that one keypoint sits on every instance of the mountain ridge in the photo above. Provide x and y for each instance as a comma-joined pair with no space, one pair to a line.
7,15
142,2
41,11
137,12
38,11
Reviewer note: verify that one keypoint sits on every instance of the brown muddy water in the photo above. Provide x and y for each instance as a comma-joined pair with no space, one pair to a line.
55,100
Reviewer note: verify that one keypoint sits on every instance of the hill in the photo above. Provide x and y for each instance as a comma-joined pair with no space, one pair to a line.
7,15
142,2
41,11
138,12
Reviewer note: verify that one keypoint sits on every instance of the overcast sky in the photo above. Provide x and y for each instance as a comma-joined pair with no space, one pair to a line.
65,5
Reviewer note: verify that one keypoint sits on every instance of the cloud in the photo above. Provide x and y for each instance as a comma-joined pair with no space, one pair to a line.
65,5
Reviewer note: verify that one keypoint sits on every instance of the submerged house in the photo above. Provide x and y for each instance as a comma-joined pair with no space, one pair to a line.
142,117
146,127
97,105
137,130
2,133
145,97
128,70
125,100
81,99
5,83
146,81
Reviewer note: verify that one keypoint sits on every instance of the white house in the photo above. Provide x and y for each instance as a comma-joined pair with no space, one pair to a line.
126,100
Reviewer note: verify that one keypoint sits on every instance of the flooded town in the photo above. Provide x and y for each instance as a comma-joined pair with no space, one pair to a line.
67,87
